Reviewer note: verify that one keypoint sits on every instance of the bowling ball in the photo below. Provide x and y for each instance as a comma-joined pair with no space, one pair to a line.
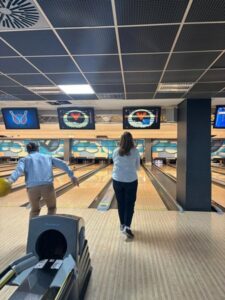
5,187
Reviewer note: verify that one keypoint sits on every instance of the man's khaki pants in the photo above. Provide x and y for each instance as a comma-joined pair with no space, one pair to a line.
44,192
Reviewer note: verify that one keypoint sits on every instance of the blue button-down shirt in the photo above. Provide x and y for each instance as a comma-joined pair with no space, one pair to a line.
37,169
125,167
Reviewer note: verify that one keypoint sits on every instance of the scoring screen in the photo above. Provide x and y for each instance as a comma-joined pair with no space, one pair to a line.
76,118
20,118
141,117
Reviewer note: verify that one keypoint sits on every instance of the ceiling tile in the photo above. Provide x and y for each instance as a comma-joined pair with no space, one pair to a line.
206,11
140,95
30,97
220,63
98,63
110,88
15,65
31,79
78,13
208,87
131,12
192,60
181,76
141,88
104,78
40,42
142,77
201,37
144,62
56,96
72,78
214,75
54,64
90,41
5,81
19,90
6,50
147,39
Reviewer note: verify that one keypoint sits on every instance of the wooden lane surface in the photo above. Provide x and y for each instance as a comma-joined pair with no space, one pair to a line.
218,176
147,196
218,192
20,197
83,196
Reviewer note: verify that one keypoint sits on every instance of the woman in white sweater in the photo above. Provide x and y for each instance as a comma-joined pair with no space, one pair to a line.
126,160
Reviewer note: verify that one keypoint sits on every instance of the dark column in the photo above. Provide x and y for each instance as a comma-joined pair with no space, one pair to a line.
67,150
193,154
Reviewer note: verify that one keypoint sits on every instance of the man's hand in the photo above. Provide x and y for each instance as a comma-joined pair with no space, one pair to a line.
75,181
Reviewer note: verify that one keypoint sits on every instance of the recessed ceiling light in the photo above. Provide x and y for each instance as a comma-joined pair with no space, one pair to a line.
174,87
77,89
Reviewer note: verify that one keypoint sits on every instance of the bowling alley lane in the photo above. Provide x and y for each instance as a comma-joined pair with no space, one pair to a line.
83,196
20,197
218,169
7,170
218,192
147,196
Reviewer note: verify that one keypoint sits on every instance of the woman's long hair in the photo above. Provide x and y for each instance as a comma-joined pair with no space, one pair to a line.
126,143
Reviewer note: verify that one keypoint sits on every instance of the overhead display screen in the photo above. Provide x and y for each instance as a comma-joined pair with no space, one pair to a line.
20,118
141,117
76,118
219,121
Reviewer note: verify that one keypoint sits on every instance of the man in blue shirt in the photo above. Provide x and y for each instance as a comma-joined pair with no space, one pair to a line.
37,169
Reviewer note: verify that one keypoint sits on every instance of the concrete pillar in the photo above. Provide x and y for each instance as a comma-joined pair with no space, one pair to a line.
193,155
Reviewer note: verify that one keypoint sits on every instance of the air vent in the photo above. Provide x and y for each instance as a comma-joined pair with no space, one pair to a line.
101,137
111,96
174,87
20,14
63,102
44,90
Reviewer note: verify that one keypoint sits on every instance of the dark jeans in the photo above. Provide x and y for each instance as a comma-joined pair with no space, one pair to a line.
126,197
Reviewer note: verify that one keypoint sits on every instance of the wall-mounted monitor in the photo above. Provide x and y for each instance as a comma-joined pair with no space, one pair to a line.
141,117
20,118
76,118
219,121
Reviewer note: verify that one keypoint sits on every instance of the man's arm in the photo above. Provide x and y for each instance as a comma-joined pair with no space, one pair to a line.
58,163
19,171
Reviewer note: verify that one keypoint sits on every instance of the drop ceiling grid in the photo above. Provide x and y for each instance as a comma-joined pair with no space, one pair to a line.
135,21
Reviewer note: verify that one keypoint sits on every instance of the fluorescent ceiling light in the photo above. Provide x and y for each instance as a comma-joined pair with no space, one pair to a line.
174,87
44,89
77,89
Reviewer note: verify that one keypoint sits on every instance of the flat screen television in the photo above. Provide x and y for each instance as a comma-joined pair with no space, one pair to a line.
145,117
20,118
219,121
76,118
